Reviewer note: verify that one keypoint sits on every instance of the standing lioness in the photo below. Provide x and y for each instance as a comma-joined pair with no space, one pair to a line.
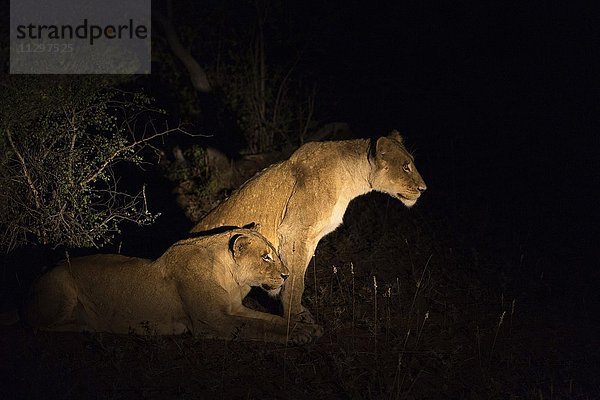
300,200
196,286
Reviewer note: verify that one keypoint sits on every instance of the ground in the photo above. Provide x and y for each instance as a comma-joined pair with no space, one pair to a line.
409,311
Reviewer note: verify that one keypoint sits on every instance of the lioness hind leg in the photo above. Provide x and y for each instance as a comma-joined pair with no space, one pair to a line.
53,301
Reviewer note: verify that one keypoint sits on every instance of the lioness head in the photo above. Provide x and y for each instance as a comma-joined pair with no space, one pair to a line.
393,170
258,264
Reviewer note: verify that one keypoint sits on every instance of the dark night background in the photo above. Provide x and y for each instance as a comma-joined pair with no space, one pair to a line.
500,101
500,104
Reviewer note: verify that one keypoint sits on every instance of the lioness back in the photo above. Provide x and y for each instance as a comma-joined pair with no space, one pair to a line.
249,203
264,197
104,293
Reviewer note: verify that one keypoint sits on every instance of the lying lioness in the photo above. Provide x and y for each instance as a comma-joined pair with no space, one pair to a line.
196,286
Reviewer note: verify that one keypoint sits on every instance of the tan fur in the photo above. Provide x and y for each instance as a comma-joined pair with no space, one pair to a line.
196,286
300,200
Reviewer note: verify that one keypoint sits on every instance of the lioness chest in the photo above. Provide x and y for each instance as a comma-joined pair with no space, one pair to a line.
336,217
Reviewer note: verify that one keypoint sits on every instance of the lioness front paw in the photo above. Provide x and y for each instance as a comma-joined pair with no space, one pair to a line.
304,316
304,333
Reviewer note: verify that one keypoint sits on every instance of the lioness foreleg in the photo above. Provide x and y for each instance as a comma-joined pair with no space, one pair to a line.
217,314
298,235
296,255
247,324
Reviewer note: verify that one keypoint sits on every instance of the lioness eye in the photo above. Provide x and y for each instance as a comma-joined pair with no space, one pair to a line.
267,257
406,167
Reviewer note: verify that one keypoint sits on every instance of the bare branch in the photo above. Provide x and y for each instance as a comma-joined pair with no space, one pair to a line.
310,111
71,120
36,194
122,150
197,73
282,85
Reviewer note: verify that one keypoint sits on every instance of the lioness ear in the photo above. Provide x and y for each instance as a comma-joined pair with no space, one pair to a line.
395,135
238,244
384,145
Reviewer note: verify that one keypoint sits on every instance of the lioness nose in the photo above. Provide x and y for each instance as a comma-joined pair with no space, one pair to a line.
285,276
422,187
